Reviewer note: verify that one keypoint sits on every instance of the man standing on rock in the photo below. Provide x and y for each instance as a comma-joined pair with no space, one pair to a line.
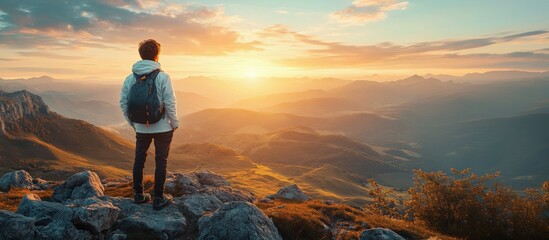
148,102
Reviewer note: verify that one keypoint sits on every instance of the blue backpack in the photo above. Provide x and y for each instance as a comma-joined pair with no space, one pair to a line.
143,103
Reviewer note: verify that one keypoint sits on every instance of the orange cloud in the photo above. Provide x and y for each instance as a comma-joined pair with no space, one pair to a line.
365,11
181,29
424,54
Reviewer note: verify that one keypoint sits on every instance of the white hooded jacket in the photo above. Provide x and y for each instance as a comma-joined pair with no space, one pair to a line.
165,94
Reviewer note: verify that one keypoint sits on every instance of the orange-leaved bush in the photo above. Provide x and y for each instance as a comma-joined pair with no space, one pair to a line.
463,205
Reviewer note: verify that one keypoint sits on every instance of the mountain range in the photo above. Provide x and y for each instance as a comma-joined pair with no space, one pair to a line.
291,128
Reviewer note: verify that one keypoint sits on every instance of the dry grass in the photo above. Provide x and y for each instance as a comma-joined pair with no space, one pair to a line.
10,200
318,220
126,189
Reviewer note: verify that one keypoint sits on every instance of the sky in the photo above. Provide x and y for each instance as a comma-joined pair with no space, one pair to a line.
98,39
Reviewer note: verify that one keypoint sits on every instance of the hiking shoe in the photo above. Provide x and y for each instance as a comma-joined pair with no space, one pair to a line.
161,202
141,198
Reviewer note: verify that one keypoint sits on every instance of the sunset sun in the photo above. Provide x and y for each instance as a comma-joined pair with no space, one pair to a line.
251,74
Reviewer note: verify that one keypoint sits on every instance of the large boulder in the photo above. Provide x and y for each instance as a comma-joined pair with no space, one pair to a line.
44,212
197,205
17,179
237,220
380,234
209,178
53,220
229,194
290,192
179,184
79,186
140,221
94,215
15,226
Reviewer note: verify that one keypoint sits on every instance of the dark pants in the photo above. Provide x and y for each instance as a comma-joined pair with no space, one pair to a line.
162,143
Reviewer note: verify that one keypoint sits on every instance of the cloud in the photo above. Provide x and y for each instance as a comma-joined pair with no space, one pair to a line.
49,55
322,54
42,70
180,28
365,11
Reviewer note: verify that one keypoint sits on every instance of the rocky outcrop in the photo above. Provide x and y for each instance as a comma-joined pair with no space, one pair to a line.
79,186
24,102
22,179
179,184
197,205
18,105
141,220
237,220
209,178
53,220
228,194
290,192
209,208
94,215
15,226
380,234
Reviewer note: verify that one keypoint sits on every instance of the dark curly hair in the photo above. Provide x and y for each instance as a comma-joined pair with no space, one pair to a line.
149,49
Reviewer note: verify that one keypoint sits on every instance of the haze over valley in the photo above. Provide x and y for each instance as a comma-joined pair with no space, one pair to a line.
346,131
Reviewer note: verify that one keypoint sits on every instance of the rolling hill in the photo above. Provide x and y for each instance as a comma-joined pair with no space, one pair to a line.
323,181
215,124
305,147
264,101
52,145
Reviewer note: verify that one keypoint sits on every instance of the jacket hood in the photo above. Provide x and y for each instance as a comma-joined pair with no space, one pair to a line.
145,66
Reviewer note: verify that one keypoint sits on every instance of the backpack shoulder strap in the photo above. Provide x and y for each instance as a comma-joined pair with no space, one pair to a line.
154,73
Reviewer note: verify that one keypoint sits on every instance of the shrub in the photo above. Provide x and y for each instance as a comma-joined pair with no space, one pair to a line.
462,205
382,204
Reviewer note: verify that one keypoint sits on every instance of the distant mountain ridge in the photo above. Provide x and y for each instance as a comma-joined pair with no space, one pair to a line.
490,77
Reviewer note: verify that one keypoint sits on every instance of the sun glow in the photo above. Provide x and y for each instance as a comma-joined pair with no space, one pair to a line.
251,74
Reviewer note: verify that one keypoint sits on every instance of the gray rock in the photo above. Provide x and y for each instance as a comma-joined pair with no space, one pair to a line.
15,226
18,179
228,194
53,220
210,178
197,205
179,184
237,220
61,230
96,217
117,235
79,186
290,192
379,234
44,212
43,184
140,220
265,200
